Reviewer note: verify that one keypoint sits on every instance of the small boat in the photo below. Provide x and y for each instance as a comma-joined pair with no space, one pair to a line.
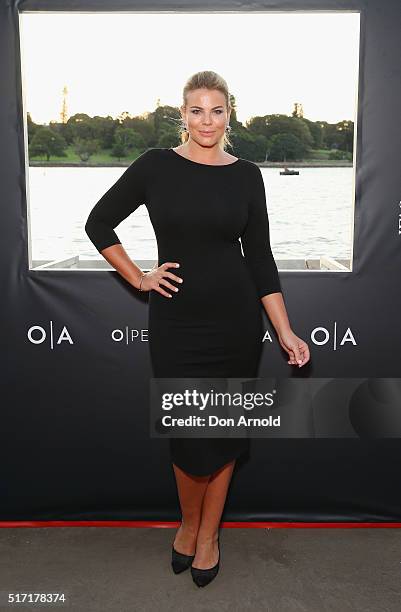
286,171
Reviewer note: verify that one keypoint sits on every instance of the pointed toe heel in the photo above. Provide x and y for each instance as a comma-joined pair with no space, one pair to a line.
203,577
179,561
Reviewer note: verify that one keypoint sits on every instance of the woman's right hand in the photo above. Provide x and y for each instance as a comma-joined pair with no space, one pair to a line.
158,276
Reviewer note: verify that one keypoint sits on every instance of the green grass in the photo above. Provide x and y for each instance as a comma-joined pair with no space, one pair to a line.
102,157
319,154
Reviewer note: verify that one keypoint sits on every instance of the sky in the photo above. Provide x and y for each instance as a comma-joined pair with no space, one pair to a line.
132,61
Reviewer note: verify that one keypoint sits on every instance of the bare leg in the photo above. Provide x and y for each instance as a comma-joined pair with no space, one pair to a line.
207,553
191,490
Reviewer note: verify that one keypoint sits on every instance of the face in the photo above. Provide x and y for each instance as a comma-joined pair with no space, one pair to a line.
205,116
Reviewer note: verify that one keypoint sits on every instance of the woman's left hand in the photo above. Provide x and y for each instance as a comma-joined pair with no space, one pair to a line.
296,348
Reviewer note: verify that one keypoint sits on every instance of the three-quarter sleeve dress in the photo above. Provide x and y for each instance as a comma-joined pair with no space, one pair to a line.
212,327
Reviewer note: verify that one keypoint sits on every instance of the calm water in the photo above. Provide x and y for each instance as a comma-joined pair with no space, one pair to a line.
310,214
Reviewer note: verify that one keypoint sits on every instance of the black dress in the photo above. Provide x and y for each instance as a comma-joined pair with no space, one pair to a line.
213,326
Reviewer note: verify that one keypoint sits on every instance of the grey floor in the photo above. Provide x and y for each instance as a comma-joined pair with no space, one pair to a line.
275,570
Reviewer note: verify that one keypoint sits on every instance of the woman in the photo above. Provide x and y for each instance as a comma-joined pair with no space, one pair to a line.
205,316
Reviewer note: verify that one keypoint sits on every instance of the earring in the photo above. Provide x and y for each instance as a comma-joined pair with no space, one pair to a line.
228,128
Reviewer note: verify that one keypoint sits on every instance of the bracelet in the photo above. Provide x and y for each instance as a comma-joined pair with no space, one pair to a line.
140,284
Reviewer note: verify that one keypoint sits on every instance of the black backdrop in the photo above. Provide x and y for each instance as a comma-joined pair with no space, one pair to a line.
74,415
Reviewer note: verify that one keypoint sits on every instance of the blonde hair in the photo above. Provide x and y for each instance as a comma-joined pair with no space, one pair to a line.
209,80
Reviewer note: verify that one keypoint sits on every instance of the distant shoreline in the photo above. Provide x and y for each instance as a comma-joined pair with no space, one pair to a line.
289,164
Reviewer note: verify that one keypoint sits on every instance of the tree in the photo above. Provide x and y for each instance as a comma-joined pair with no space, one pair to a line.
125,139
316,131
168,138
85,147
339,135
283,147
47,142
270,125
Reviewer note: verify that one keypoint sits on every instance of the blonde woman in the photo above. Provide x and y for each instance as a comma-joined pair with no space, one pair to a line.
205,317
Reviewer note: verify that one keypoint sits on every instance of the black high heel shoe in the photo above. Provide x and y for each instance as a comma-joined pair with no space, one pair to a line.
179,561
202,577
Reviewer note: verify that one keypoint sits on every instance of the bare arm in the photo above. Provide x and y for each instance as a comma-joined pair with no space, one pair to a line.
277,312
118,257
